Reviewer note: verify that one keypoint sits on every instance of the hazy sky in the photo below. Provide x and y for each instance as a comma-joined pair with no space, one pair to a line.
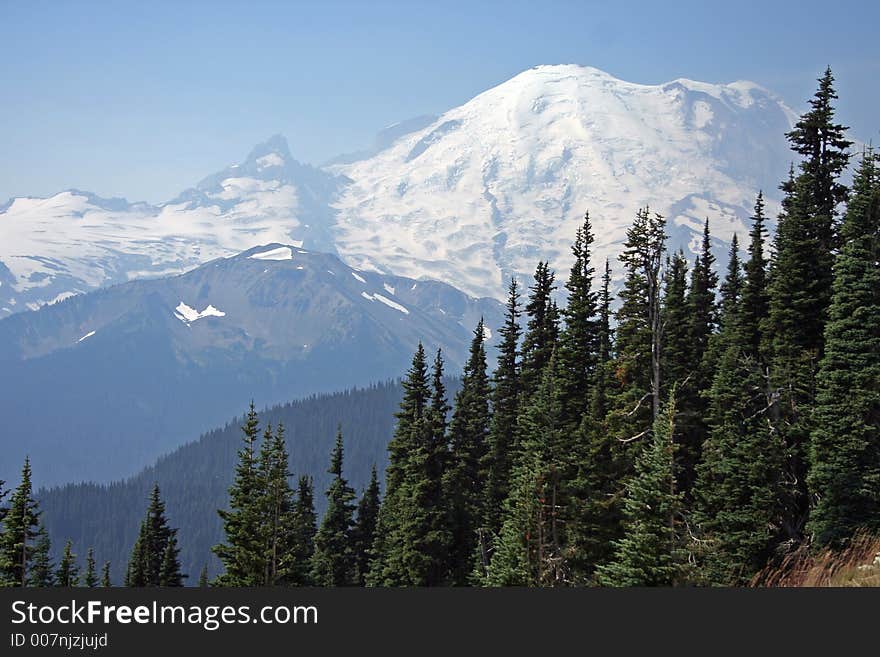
144,99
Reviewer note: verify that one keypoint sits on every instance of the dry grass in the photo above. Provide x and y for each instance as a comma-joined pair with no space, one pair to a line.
858,564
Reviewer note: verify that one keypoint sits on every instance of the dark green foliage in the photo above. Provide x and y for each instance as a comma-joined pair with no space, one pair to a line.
303,529
412,539
333,562
90,579
243,556
67,574
105,575
41,571
203,577
542,330
651,552
151,557
275,505
731,288
739,488
844,475
364,531
464,482
19,530
675,363
754,302
505,405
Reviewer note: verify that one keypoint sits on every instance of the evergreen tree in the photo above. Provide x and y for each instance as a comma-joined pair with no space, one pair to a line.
242,554
67,574
150,552
411,544
738,492
276,506
364,531
753,306
91,576
650,552
801,285
105,575
169,574
203,577
676,346
19,530
41,571
333,562
844,475
732,287
578,342
529,550
542,330
464,482
302,534
505,404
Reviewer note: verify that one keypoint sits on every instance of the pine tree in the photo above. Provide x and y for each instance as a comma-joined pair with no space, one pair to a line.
169,574
333,562
502,432
542,330
105,575
464,482
732,287
242,554
276,504
529,550
203,577
844,475
578,342
91,576
754,303
149,557
67,574
676,346
302,535
19,530
411,544
364,531
650,552
41,571
801,285
738,495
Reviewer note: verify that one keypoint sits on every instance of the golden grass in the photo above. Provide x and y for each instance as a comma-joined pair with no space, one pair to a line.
857,564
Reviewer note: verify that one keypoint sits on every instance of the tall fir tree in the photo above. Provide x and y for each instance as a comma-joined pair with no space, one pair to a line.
19,531
754,302
169,572
364,530
578,341
147,562
242,554
90,579
333,562
542,329
844,475
651,550
801,285
505,404
203,578
302,534
67,574
105,575
464,482
41,572
276,497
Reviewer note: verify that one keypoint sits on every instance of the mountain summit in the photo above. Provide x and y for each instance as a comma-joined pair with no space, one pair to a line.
471,197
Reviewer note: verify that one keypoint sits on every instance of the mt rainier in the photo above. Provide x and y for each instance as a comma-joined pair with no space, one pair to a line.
480,193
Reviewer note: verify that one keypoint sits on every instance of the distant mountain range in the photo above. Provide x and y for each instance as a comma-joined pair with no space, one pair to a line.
470,197
97,385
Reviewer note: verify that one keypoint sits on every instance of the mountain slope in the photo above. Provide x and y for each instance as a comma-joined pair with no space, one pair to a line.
97,385
502,181
471,197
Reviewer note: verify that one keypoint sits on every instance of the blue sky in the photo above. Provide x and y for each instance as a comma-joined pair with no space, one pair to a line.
143,99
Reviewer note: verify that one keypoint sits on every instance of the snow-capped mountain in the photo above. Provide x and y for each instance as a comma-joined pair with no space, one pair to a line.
470,197
75,241
150,364
493,186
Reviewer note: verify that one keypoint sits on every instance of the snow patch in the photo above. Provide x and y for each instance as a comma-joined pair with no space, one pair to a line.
188,314
360,278
281,253
87,335
487,332
270,160
389,289
388,302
